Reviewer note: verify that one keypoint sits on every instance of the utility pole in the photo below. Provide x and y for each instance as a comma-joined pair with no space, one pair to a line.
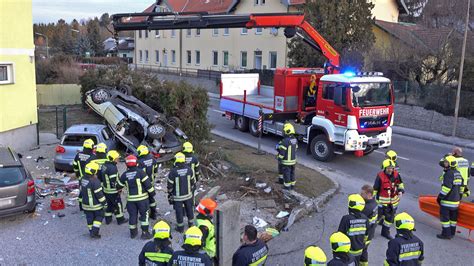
461,69
46,38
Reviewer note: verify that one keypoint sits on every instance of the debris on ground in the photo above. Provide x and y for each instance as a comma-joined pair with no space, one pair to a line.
259,222
282,214
266,204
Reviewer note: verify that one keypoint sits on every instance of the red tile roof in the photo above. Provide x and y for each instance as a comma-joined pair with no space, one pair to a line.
211,6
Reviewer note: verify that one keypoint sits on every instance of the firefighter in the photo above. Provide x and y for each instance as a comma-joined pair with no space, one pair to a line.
147,162
391,155
92,199
287,156
100,153
463,168
180,191
311,93
82,159
388,188
341,245
205,211
108,175
370,210
157,252
405,248
314,256
253,251
355,225
192,160
449,198
191,255
139,187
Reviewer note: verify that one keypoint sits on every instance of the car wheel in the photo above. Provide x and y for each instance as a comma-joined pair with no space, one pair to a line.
33,210
174,122
253,128
125,89
321,148
242,123
156,131
100,95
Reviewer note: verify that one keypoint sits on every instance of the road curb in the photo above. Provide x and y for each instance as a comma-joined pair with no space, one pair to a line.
307,205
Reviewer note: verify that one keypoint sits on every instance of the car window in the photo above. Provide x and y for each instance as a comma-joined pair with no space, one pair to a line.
76,140
106,133
10,176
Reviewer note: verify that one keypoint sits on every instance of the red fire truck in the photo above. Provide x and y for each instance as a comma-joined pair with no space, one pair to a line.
343,112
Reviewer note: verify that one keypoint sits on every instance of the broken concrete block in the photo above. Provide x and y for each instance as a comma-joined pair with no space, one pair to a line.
265,204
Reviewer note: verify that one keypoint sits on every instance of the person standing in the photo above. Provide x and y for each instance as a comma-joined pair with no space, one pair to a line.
100,153
253,250
463,168
192,254
370,210
157,252
405,249
92,199
108,175
393,156
388,188
139,187
205,211
449,198
287,156
82,158
180,191
148,163
341,245
314,256
192,160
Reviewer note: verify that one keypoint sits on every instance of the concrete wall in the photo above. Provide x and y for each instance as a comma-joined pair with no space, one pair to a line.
58,94
20,139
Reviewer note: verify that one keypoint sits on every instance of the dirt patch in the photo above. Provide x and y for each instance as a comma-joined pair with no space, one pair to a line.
74,115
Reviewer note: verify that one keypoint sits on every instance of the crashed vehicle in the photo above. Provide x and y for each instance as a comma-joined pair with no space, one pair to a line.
135,123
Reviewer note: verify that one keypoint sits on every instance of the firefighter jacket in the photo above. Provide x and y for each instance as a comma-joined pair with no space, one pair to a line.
138,184
386,188
251,254
405,249
342,259
91,195
463,168
108,175
79,164
209,234
287,150
355,225
371,211
180,182
189,256
100,159
149,165
153,254
450,194
193,162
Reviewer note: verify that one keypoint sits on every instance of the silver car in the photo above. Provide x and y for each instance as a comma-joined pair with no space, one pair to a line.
72,141
17,187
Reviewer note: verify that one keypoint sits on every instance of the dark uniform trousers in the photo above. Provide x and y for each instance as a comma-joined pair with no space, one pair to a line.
288,175
448,217
114,206
184,207
138,207
94,218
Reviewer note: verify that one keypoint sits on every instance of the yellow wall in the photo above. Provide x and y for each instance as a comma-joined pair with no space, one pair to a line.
58,94
386,10
17,100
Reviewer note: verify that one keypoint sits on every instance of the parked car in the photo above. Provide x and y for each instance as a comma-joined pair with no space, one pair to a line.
72,141
135,123
17,187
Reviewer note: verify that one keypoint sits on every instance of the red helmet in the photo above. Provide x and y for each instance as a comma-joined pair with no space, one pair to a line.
131,160
206,206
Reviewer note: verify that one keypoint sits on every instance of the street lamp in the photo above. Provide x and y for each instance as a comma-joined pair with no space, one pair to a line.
46,37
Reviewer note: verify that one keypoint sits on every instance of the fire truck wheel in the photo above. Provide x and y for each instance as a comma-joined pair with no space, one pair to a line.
253,127
242,123
369,150
321,148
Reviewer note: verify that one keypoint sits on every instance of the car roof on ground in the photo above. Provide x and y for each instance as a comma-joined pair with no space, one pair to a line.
85,129
8,157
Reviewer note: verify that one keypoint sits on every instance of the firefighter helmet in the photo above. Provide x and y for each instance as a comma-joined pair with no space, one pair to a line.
387,163
88,144
193,236
340,242
288,129
187,147
161,230
113,155
392,155
206,206
453,163
356,202
101,148
91,168
314,255
131,160
404,221
179,158
142,150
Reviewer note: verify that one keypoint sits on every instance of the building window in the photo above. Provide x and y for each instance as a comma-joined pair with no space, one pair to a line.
259,2
215,58
258,31
258,59
139,34
140,55
198,32
226,31
173,56
188,33
146,55
173,33
6,74
243,59
198,57
164,59
244,31
157,56
146,34
188,57
215,32
273,60
226,58
157,33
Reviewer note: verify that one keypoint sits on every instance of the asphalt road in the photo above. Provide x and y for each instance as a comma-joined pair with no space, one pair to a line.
420,170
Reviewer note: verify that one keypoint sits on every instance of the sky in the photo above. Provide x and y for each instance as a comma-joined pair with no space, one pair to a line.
45,11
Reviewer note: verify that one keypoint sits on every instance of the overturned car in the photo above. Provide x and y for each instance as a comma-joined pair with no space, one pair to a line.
135,123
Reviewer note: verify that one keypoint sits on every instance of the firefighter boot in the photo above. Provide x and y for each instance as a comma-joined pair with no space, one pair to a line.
146,235
121,220
180,229
133,232
386,232
153,214
95,233
453,231
445,233
108,219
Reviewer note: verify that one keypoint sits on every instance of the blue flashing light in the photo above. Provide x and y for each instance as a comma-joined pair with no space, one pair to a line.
349,74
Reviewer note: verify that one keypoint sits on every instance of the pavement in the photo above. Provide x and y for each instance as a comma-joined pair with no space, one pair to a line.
418,159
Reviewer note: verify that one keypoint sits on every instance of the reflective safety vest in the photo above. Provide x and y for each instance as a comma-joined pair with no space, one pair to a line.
80,162
108,175
193,162
463,168
388,191
153,255
149,165
210,243
287,150
100,160
138,184
91,194
405,249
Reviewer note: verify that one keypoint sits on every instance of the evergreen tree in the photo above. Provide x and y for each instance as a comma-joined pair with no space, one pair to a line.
93,35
